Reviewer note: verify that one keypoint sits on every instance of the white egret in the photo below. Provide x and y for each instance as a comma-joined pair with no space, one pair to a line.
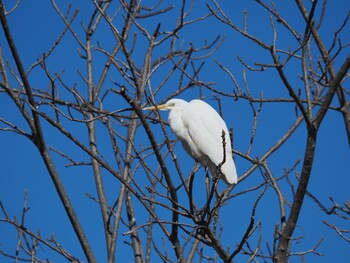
199,128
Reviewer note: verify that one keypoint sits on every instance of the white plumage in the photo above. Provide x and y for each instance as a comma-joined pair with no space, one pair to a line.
199,128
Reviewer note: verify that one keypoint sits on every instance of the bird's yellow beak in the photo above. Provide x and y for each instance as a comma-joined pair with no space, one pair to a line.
159,107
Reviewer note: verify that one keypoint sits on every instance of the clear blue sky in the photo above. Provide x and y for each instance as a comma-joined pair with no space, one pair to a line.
35,26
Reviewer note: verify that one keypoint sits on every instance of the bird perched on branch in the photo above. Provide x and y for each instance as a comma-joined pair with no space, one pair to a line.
203,134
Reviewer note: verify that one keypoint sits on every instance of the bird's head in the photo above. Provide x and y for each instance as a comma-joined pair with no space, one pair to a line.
169,105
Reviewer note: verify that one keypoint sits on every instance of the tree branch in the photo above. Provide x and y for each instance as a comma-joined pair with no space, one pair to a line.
40,143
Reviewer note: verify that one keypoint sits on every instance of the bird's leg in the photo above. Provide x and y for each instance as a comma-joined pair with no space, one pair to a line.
218,173
207,183
216,178
201,212
217,194
206,209
190,188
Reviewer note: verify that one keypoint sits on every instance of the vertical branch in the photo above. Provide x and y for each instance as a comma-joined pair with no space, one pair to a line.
136,241
91,125
305,74
282,249
282,252
150,227
99,182
334,85
174,199
39,141
132,11
255,113
282,75
3,70
278,191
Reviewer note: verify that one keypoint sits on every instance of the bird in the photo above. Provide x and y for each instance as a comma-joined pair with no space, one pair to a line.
200,128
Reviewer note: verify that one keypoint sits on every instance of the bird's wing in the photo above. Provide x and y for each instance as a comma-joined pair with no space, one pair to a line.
205,129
